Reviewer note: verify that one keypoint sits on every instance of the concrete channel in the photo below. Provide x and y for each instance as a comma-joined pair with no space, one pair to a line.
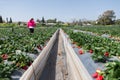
56,67
57,61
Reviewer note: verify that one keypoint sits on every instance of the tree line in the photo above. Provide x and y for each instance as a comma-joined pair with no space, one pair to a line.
8,21
106,18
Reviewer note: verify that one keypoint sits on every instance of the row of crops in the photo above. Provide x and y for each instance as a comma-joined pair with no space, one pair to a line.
111,30
101,49
17,44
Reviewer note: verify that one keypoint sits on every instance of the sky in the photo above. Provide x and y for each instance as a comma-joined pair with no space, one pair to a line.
64,10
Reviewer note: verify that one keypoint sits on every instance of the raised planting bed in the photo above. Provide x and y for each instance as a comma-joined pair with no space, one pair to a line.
19,48
98,54
105,31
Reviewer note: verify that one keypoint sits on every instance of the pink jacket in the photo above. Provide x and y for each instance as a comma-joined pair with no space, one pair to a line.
31,23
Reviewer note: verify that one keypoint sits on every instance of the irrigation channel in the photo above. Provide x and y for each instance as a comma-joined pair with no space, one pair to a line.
56,67
57,61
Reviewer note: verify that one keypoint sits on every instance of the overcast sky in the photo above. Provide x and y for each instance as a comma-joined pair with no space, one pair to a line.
65,10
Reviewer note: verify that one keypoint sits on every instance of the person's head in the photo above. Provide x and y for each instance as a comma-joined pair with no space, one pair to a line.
31,19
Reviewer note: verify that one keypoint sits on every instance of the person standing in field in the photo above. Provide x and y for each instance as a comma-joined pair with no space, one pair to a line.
31,24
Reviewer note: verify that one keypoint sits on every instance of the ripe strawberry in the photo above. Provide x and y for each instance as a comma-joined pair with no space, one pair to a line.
90,51
100,77
81,51
25,67
95,75
106,54
4,56
39,47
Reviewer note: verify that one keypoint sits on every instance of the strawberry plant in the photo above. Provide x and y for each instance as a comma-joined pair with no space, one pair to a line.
102,48
1,59
20,59
100,30
20,39
112,71
6,70
98,75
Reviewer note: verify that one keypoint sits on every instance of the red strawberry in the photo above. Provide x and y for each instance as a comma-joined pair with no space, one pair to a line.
100,77
25,67
81,51
95,75
4,56
90,51
39,47
106,54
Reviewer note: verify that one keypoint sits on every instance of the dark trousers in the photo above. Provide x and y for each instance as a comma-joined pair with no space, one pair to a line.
31,30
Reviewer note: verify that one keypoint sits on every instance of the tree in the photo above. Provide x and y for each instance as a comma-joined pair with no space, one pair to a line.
38,20
107,18
43,21
55,20
10,20
52,20
7,20
80,22
19,23
117,21
1,20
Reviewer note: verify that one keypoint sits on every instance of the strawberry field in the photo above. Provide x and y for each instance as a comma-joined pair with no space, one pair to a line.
18,46
102,50
111,30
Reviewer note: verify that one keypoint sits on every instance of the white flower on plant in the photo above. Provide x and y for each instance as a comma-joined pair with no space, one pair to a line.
18,51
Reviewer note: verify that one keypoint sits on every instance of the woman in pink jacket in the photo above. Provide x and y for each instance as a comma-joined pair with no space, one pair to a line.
31,24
